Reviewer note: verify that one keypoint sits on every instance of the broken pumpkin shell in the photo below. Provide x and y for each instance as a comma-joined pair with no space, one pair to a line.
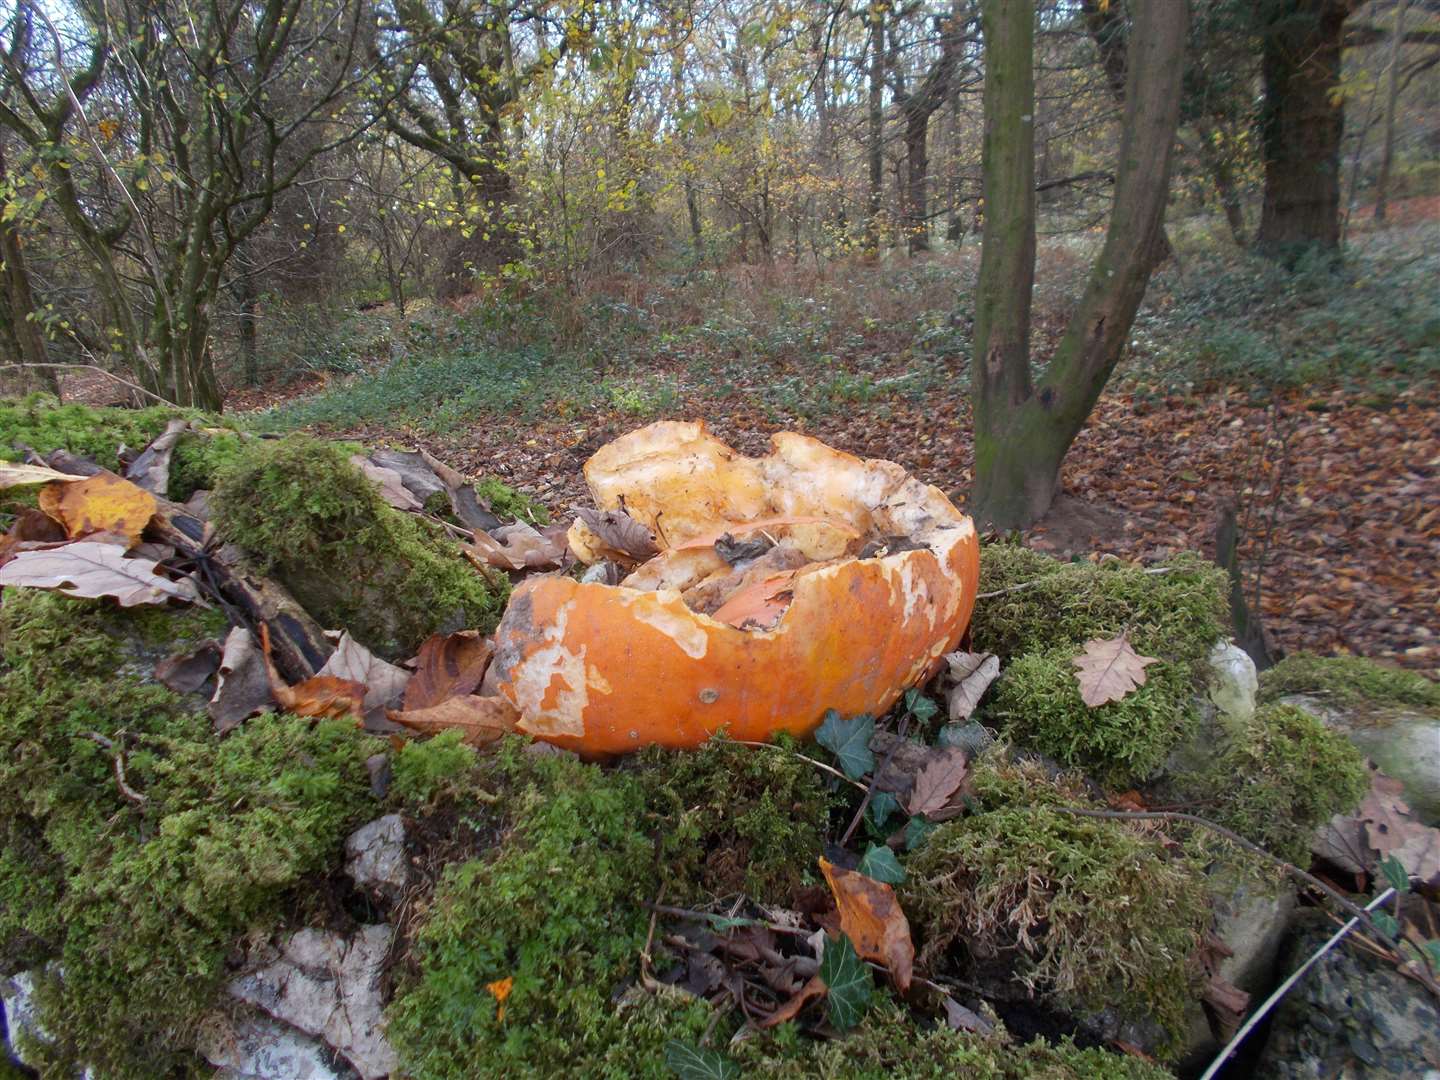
604,669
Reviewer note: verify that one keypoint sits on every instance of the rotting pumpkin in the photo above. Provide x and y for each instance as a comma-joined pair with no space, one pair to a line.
884,587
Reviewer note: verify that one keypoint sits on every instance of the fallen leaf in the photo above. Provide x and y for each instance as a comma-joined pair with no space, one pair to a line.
1419,854
971,674
388,482
500,991
813,989
849,982
101,503
1108,670
1385,814
620,536
959,1018
516,547
938,781
384,682
849,741
879,862
86,568
151,470
482,719
760,604
872,919
17,474
242,685
698,1063
31,527
421,480
185,673
321,696
448,665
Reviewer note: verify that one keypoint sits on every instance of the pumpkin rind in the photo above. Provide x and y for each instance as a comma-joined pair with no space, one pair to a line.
606,669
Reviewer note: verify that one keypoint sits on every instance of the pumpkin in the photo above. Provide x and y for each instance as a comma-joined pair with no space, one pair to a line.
877,584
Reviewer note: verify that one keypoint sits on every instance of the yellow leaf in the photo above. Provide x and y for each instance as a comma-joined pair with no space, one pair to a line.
103,503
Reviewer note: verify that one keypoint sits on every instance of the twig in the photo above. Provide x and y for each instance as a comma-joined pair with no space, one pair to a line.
709,917
818,764
117,764
1284,988
875,777
1290,868
96,368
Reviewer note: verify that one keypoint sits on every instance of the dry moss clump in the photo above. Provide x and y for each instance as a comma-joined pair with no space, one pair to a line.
301,511
1094,911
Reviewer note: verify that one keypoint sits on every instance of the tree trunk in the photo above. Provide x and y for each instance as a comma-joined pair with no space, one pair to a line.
1022,432
1392,97
875,148
692,207
1223,177
248,353
1302,122
17,303
917,171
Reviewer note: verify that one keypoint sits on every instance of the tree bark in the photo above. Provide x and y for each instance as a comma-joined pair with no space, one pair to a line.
17,303
1022,432
249,298
1392,98
875,146
1301,125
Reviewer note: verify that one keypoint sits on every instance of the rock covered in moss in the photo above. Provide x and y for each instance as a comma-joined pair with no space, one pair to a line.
301,511
1095,912
1348,681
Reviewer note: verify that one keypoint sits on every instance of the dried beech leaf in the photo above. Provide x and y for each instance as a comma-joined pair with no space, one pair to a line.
971,674
938,781
103,503
151,470
871,918
1108,670
185,673
482,719
16,474
86,568
516,547
242,684
384,682
959,1018
318,696
620,535
388,482
811,991
449,665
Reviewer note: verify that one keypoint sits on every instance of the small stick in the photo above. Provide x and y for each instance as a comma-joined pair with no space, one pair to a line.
818,764
117,763
875,777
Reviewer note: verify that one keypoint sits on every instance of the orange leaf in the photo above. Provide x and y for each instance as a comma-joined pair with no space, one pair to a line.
448,666
872,919
500,990
813,989
103,503
482,719
318,696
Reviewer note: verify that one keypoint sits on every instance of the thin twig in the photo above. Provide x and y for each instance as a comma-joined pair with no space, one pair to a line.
96,368
117,764
1284,988
875,777
818,764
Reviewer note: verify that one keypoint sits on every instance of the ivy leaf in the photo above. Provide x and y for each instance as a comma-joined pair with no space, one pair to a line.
850,983
920,706
697,1063
1386,922
849,741
879,862
882,805
1432,949
1395,874
917,831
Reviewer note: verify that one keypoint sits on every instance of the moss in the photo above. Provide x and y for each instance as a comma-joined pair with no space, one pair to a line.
731,819
42,423
1348,681
1277,777
504,501
304,513
1177,615
1096,912
141,904
199,459
425,769
1037,702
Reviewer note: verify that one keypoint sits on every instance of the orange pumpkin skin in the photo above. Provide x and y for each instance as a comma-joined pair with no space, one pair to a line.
605,670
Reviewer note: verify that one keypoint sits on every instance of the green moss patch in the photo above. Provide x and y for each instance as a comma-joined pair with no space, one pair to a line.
43,424
1278,777
1348,681
1094,911
504,501
140,904
304,513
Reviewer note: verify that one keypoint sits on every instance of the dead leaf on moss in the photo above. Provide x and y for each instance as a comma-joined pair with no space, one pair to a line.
30,529
389,483
151,469
103,503
1108,670
481,719
813,990
448,665
971,675
938,781
90,569
242,684
185,673
320,696
384,682
871,917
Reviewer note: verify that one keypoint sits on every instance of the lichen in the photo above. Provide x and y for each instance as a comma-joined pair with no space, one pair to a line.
1095,912
1276,777
140,903
301,511
1348,681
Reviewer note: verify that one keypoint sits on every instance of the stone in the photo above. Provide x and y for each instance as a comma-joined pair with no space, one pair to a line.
375,857
257,1047
1233,681
332,987
1352,1016
1404,743
17,994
